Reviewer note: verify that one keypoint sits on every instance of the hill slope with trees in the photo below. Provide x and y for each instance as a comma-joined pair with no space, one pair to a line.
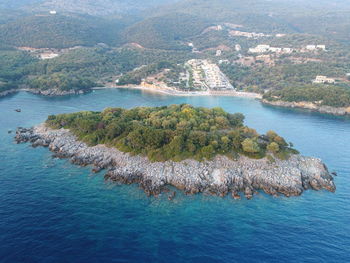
166,32
58,31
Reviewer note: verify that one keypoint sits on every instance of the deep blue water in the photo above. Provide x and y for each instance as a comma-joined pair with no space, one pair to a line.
52,211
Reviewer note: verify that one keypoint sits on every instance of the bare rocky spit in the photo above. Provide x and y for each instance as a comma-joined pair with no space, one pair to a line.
220,176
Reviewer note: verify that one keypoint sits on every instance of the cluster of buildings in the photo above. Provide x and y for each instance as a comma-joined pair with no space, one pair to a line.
267,48
208,76
315,47
285,50
196,74
236,33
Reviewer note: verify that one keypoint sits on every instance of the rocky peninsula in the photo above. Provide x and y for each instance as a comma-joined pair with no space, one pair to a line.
220,176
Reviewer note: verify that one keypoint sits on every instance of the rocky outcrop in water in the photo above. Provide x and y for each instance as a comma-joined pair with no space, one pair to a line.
220,176
339,111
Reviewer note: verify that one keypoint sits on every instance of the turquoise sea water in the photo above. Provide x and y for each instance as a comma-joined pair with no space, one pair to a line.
52,211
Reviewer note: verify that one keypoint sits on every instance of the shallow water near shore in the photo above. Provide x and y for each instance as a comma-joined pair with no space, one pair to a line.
52,211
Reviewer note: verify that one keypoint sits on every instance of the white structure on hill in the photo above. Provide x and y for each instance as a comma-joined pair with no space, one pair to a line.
323,80
267,48
48,55
316,47
260,49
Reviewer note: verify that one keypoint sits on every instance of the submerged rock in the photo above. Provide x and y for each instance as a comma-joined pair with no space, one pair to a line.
219,176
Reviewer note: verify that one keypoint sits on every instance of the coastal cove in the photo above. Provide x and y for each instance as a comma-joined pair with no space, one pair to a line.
307,106
44,197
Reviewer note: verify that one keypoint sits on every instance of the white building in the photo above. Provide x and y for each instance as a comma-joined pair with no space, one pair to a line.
311,47
316,47
224,61
280,35
323,80
275,49
48,55
218,53
195,50
260,49
236,33
53,12
322,47
238,47
268,48
287,50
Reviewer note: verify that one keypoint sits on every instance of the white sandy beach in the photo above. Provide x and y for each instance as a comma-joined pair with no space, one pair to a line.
173,92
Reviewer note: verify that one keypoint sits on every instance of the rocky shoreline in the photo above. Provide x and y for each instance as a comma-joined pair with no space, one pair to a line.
48,92
338,111
221,176
8,92
57,92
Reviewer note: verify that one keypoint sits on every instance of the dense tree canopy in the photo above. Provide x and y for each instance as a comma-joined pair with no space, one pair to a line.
14,66
175,132
329,95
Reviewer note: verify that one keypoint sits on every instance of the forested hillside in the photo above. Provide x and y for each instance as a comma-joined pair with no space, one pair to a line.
130,40
57,31
14,66
96,7
166,32
313,16
336,96
80,68
169,25
11,4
